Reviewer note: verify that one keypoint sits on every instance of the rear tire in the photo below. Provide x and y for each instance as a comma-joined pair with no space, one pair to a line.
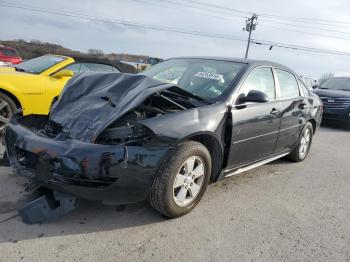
182,180
7,108
302,149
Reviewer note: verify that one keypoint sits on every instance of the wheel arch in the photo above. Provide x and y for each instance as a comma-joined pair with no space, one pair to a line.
314,124
215,148
12,96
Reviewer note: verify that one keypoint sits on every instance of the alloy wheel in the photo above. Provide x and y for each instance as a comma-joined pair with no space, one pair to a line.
305,143
5,114
189,181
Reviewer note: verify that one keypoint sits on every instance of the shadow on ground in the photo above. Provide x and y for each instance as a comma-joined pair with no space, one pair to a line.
336,125
92,217
88,217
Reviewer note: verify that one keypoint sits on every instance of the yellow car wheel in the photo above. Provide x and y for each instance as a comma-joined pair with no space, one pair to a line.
7,108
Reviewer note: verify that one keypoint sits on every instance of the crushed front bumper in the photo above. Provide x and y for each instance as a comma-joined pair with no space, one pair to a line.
110,173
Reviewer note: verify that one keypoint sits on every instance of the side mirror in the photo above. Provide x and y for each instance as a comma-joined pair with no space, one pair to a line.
256,96
63,73
314,86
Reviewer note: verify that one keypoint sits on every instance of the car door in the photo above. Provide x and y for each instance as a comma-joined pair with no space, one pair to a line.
33,88
255,126
293,108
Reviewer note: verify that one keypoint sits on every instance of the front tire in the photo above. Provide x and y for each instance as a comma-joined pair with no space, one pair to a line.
182,180
304,144
7,108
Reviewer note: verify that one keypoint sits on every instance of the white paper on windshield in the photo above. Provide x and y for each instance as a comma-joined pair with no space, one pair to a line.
209,75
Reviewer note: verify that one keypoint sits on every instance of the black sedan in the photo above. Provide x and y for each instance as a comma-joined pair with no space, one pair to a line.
167,133
335,95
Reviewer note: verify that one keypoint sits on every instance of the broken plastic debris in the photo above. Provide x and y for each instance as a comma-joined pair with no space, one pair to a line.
50,206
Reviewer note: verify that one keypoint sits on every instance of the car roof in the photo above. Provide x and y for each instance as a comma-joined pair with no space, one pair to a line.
123,67
250,62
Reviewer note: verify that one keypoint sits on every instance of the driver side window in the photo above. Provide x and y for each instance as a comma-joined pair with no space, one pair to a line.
261,79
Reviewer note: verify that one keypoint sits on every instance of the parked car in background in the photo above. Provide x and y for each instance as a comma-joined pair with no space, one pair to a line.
9,55
154,60
33,84
5,64
162,136
335,95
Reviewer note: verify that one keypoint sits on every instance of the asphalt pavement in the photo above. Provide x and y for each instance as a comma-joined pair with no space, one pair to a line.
282,211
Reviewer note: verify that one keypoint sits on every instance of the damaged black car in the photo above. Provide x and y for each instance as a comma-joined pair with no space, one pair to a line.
164,135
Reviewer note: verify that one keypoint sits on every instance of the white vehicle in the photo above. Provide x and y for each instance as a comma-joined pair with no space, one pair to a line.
4,64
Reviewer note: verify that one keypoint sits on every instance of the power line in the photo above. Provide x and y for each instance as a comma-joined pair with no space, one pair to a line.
121,22
298,47
221,7
279,17
304,32
196,7
303,22
234,18
267,20
305,19
206,11
168,29
272,18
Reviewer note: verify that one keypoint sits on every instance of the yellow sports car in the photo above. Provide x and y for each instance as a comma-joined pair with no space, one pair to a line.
33,84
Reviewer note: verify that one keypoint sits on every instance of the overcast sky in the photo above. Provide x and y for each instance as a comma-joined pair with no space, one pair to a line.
82,35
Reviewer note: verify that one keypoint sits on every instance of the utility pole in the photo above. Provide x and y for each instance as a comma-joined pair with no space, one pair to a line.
250,26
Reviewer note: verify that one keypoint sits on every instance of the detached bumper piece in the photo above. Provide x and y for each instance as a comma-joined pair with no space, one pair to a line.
51,205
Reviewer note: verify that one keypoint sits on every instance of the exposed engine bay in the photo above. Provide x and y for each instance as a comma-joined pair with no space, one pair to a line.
112,110
127,128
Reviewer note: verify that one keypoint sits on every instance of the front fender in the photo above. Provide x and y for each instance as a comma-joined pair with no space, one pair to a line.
8,88
179,126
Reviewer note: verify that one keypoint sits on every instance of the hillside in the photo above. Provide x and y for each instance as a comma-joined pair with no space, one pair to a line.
36,48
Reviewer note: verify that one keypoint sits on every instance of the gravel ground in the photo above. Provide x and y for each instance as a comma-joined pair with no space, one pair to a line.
282,211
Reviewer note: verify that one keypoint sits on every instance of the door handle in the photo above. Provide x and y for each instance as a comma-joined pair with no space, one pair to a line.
274,112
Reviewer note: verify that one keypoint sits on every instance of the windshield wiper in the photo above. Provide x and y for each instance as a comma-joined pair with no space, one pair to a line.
323,87
175,94
344,89
188,96
171,101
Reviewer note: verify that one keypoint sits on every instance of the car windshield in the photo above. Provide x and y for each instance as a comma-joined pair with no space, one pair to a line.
40,64
337,83
205,78
9,52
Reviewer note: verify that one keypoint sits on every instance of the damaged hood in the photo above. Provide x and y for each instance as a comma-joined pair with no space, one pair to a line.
91,101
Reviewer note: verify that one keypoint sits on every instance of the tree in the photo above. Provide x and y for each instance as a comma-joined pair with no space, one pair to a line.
95,52
325,76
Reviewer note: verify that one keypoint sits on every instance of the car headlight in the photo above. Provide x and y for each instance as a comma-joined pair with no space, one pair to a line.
126,134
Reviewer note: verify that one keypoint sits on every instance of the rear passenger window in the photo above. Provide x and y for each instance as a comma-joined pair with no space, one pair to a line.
289,87
261,79
94,67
